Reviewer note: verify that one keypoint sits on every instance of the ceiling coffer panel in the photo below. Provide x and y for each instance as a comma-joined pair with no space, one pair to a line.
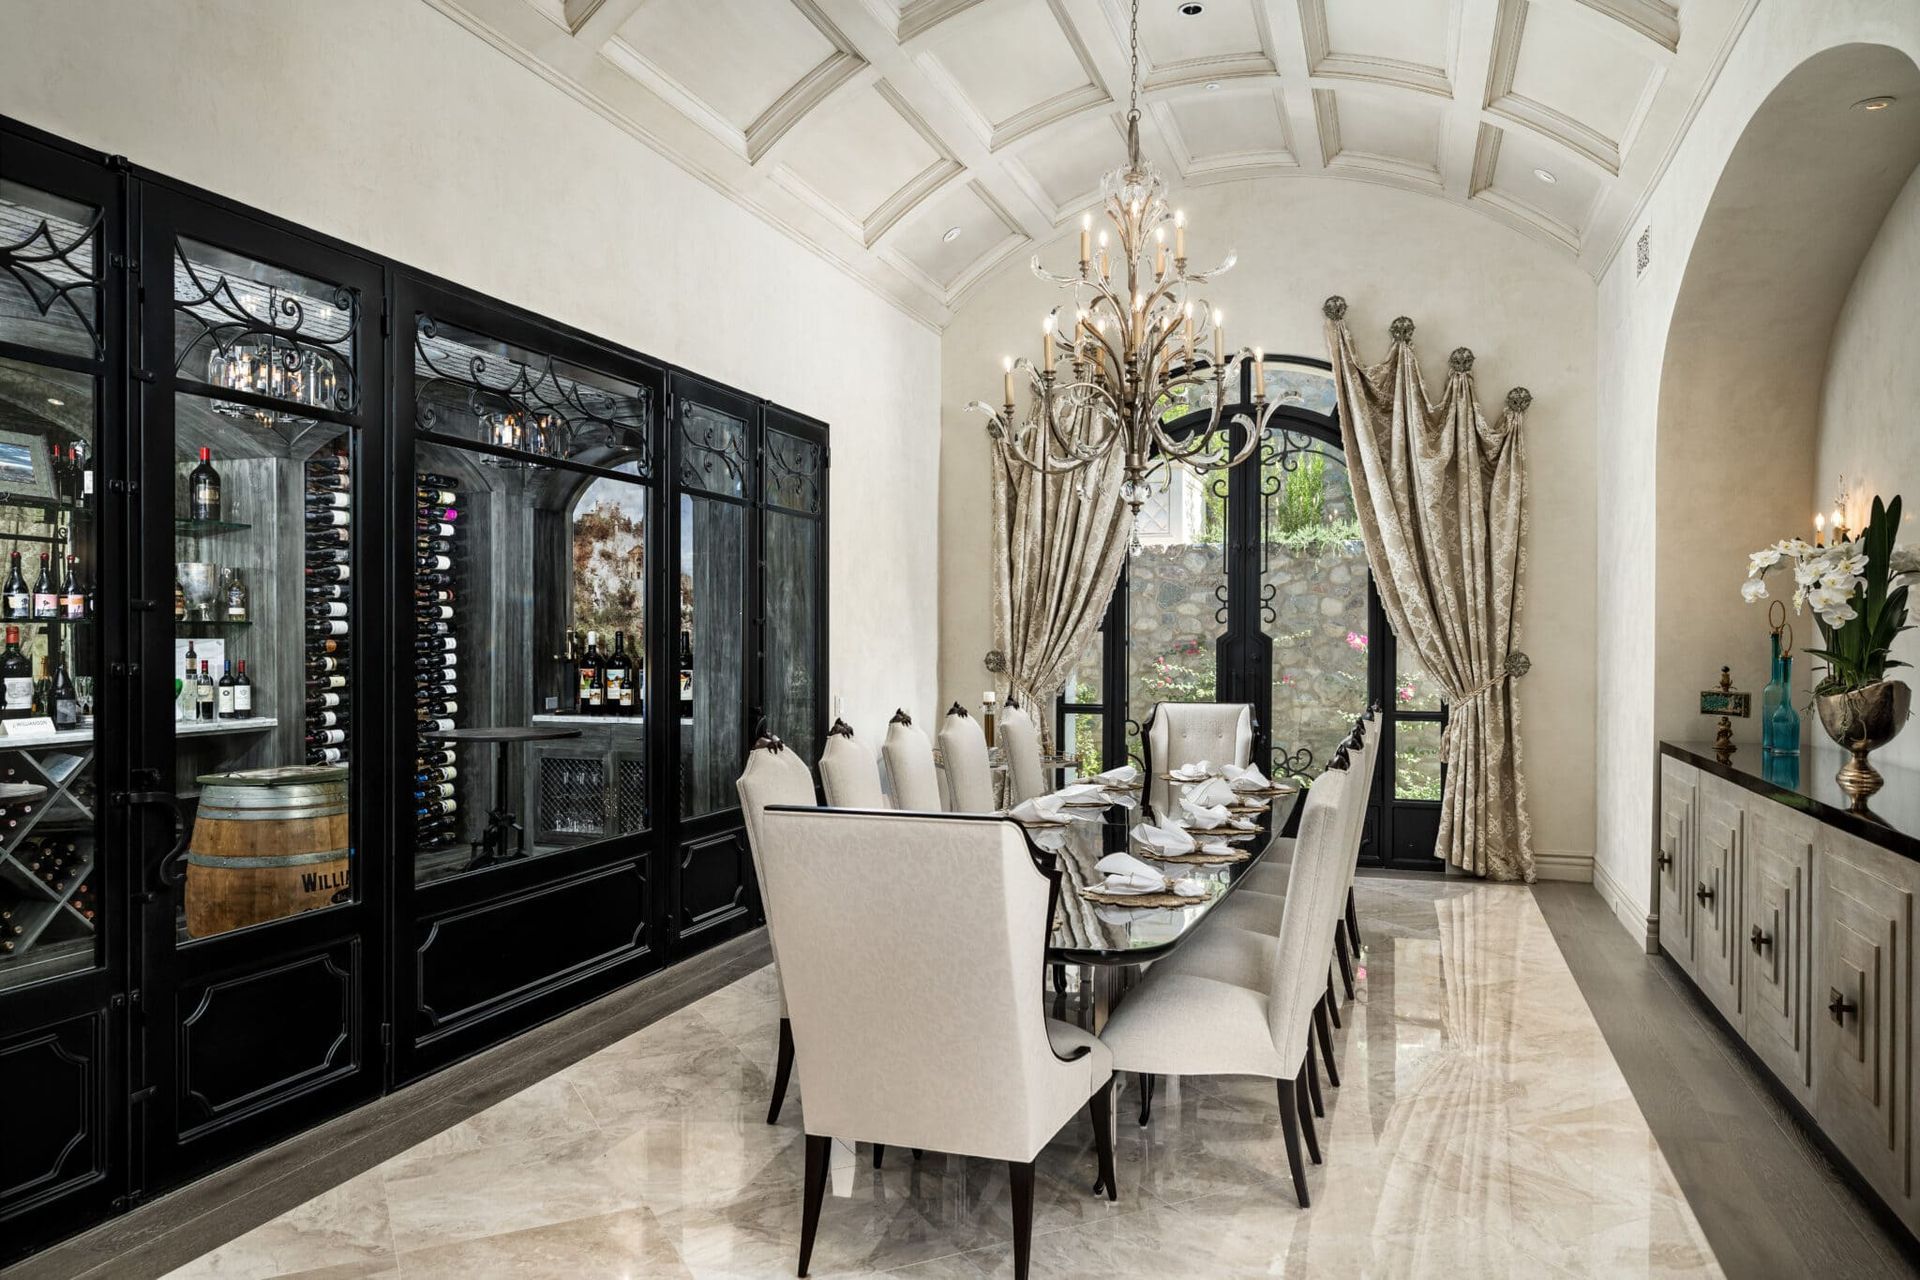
1012,66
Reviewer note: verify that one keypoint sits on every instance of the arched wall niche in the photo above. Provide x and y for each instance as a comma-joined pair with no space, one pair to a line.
1796,207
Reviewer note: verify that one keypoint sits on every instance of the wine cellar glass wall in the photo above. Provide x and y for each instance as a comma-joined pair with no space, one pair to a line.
376,660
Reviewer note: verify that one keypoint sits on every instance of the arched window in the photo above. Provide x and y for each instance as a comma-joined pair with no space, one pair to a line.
1251,585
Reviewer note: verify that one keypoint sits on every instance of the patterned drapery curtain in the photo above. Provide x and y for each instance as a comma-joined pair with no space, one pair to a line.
1439,497
1059,543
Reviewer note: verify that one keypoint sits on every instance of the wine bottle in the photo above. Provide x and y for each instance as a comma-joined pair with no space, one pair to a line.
328,573
324,497
432,496
66,702
46,590
223,694
85,458
328,719
316,646
326,609
16,676
593,687
333,680
325,755
239,600
330,591
204,700
319,627
189,686
242,693
326,738
619,678
436,644
433,612
18,601
43,691
203,489
93,593
686,674
432,563
325,518
322,701
438,756
328,540
73,604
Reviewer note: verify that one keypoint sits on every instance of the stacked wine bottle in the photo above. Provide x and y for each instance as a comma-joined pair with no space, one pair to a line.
436,658
329,592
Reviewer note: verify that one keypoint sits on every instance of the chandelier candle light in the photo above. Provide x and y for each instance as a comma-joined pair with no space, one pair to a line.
1132,349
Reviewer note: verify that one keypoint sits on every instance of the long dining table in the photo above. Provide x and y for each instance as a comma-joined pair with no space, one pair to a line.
1113,940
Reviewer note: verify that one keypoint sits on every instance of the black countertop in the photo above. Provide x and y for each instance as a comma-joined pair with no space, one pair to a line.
1892,816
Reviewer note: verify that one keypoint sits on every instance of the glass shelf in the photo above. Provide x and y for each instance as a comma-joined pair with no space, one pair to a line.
188,623
46,622
206,528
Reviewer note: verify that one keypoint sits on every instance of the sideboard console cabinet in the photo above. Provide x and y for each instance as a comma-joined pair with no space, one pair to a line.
1795,918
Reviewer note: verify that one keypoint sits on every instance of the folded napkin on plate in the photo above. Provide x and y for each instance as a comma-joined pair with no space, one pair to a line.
1167,836
1125,776
1039,809
1247,779
1216,792
1081,793
1212,817
1198,771
1127,874
1220,847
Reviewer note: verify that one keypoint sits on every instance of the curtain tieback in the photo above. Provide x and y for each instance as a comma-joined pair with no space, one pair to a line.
1512,667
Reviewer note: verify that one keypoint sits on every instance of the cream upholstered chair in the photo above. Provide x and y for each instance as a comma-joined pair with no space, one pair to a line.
909,759
849,772
969,774
774,775
1256,1023
1361,746
1180,733
911,946
1020,741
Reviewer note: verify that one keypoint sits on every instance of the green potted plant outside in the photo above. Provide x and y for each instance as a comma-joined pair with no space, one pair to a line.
1859,602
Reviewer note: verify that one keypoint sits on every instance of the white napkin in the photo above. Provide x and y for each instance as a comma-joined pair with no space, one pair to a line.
1217,792
1247,779
1127,874
1198,771
1125,776
1081,793
1218,847
1167,836
1039,809
1214,817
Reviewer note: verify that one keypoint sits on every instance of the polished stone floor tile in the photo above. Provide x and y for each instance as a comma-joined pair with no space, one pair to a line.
1482,1129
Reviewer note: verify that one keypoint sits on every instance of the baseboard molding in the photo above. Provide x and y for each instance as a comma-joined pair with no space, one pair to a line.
1563,864
1643,926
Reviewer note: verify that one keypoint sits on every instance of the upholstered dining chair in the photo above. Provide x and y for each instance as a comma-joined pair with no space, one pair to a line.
914,781
774,775
1180,733
911,946
1255,1022
969,773
849,772
1020,743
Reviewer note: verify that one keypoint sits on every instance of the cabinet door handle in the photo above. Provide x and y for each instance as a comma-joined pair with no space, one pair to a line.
1666,859
1838,1006
1759,939
1702,894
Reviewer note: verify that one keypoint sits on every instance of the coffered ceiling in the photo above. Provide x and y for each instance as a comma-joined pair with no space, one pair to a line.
921,143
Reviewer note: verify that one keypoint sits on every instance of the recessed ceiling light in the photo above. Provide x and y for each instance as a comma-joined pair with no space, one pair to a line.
1192,9
1874,104
953,233
1546,176
1213,84
55,403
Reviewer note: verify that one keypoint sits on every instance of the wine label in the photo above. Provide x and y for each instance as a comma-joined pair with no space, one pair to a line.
226,700
618,695
18,604
19,691
243,699
46,604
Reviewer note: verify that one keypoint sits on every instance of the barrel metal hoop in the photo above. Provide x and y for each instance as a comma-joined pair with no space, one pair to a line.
274,860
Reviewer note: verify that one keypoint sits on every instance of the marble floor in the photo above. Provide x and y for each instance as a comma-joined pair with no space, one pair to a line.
1483,1129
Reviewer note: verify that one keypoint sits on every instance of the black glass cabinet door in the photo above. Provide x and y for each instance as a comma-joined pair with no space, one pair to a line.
261,434
793,589
63,971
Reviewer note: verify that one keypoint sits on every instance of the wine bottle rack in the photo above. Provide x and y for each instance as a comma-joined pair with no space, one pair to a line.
436,689
328,606
54,830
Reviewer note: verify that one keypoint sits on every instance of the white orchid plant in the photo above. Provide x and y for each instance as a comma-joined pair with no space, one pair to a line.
1856,590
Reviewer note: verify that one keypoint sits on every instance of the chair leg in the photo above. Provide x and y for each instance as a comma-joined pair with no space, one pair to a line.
1100,1110
1306,1121
1313,1083
1290,1125
1353,920
879,1153
1346,963
1326,1043
1146,1099
1021,1175
1333,1001
782,1070
819,1149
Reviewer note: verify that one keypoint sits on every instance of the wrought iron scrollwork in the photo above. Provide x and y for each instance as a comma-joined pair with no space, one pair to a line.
793,472
214,311
1297,763
713,453
1268,592
1220,594
529,404
55,262
1277,460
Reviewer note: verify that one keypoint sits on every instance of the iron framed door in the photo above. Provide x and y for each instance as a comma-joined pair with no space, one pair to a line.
258,1006
64,1159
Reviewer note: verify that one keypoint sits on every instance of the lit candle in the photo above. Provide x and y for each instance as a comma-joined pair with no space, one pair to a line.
1219,336
1160,252
1179,235
1086,241
1106,268
1007,380
1046,345
1259,373
1189,314
1839,526
1139,319
1819,529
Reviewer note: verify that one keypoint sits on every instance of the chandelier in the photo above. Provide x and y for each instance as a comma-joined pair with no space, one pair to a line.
1133,351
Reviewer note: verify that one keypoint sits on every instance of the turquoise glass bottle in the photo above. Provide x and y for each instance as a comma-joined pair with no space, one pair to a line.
1780,723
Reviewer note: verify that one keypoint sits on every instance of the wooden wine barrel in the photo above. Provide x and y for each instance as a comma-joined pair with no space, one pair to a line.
267,843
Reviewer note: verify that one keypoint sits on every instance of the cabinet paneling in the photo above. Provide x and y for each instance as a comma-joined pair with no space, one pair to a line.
1778,880
1717,860
1679,792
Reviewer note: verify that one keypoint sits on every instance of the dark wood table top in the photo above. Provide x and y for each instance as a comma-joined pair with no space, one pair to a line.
503,733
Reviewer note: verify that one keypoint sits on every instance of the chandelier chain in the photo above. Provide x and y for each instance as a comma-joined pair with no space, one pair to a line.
1133,72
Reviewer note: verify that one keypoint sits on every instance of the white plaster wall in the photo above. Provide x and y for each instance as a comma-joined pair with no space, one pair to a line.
384,123
1633,320
1526,311
1870,406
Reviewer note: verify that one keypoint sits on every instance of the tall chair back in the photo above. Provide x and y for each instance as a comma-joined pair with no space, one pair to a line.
775,774
1318,884
1020,743
912,947
969,774
909,759
849,771
1182,733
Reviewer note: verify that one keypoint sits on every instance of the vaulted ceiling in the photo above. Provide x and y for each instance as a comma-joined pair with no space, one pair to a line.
920,143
